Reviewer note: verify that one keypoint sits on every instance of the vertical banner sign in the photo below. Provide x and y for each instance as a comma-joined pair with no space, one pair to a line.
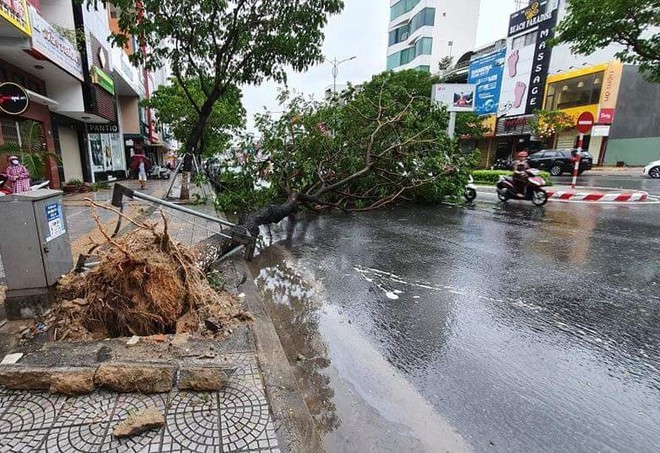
486,73
541,64
610,93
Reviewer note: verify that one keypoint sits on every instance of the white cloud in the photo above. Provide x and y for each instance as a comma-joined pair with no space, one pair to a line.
361,31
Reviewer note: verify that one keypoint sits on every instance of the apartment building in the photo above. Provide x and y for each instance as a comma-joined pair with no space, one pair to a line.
424,32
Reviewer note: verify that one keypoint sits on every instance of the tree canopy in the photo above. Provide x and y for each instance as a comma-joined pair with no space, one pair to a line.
371,146
226,118
634,24
220,44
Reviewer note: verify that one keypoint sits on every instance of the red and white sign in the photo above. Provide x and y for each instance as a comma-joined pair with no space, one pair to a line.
606,116
585,122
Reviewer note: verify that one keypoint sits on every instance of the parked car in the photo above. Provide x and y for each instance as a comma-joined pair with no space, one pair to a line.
558,161
653,170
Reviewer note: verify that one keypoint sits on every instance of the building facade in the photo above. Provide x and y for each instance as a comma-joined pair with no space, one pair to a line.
424,32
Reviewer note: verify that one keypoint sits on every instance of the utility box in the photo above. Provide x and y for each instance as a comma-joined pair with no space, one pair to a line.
35,249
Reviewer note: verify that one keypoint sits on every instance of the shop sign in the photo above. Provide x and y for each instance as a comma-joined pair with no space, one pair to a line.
486,73
14,99
16,13
514,126
600,131
541,63
610,92
50,43
108,128
528,18
103,80
457,97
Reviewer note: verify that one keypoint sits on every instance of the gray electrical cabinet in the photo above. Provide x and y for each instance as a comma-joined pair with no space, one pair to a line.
35,249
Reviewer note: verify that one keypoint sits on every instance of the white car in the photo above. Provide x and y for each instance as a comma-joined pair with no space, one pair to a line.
653,170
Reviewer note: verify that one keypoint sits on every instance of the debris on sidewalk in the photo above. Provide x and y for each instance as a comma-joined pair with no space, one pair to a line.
145,284
133,341
10,359
140,422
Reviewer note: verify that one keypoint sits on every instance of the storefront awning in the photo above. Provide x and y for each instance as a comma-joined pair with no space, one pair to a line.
41,99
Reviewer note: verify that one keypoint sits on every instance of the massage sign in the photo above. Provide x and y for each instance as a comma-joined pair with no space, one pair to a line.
13,99
528,59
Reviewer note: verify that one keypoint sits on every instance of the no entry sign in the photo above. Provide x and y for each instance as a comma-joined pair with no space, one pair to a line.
585,122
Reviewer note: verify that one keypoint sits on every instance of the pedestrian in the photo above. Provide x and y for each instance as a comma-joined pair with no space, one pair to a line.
18,175
142,174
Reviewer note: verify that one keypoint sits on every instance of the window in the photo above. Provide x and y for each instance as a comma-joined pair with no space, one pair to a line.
402,7
524,40
424,68
576,92
424,18
422,47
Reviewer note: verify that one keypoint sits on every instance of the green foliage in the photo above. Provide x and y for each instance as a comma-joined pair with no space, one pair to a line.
102,185
470,125
547,123
375,144
490,177
32,152
74,182
221,44
226,117
634,24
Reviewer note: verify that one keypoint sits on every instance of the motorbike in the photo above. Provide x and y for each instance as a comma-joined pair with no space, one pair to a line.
470,192
502,164
5,189
534,192
158,172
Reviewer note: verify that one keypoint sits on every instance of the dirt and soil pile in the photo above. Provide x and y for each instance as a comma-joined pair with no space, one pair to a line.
145,284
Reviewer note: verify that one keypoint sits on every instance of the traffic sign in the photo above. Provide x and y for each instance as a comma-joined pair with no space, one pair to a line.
585,122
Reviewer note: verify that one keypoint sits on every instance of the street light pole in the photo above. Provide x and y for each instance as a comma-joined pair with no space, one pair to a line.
335,70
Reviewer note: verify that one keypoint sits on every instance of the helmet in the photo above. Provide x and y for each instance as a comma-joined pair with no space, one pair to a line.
12,158
523,155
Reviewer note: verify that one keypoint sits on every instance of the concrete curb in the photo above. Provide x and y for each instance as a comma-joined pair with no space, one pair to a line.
294,423
584,195
598,197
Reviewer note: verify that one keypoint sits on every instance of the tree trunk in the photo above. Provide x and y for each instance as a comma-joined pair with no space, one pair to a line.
185,177
213,248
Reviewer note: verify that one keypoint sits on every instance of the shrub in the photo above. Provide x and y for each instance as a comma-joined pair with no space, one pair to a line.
490,177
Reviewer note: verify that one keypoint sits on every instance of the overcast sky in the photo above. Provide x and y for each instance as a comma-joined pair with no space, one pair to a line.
361,31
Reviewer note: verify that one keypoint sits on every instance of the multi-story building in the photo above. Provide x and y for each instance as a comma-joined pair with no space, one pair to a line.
424,32
82,95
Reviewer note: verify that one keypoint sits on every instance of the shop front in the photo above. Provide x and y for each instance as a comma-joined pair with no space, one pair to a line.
106,152
594,90
514,135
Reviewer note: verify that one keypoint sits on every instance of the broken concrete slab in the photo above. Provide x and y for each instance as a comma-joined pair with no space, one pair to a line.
130,377
140,422
16,377
202,379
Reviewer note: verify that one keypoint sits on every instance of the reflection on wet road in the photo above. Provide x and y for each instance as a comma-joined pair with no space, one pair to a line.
495,328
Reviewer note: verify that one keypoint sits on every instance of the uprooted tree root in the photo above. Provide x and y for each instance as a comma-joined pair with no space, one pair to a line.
145,284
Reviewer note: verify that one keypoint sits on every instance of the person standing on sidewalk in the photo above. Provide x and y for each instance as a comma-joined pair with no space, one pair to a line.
18,175
142,174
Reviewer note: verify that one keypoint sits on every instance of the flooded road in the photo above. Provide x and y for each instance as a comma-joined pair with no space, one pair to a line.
493,328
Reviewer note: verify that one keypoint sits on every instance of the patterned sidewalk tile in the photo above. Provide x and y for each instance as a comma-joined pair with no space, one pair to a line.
247,428
86,409
184,402
27,411
193,431
148,442
76,439
131,403
239,394
22,441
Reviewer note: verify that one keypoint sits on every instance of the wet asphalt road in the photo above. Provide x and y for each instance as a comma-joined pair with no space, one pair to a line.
491,328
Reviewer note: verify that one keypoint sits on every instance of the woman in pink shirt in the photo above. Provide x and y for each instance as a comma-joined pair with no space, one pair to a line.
18,175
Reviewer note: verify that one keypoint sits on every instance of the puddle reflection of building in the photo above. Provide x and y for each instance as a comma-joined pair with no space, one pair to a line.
294,308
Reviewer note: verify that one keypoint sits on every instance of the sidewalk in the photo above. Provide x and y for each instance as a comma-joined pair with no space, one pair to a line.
237,418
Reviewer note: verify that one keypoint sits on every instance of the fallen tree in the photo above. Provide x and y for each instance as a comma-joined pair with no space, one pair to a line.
371,146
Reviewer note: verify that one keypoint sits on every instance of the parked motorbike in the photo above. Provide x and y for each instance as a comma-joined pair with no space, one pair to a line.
534,192
470,192
158,172
502,164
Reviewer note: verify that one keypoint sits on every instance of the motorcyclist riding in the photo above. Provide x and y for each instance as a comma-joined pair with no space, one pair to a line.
520,175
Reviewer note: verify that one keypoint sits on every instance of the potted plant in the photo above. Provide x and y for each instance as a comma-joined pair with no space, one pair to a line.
72,186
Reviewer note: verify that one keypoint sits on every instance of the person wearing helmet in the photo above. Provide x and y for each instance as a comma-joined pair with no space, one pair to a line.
520,176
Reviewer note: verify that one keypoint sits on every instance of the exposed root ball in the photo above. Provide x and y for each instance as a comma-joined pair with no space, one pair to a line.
145,284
